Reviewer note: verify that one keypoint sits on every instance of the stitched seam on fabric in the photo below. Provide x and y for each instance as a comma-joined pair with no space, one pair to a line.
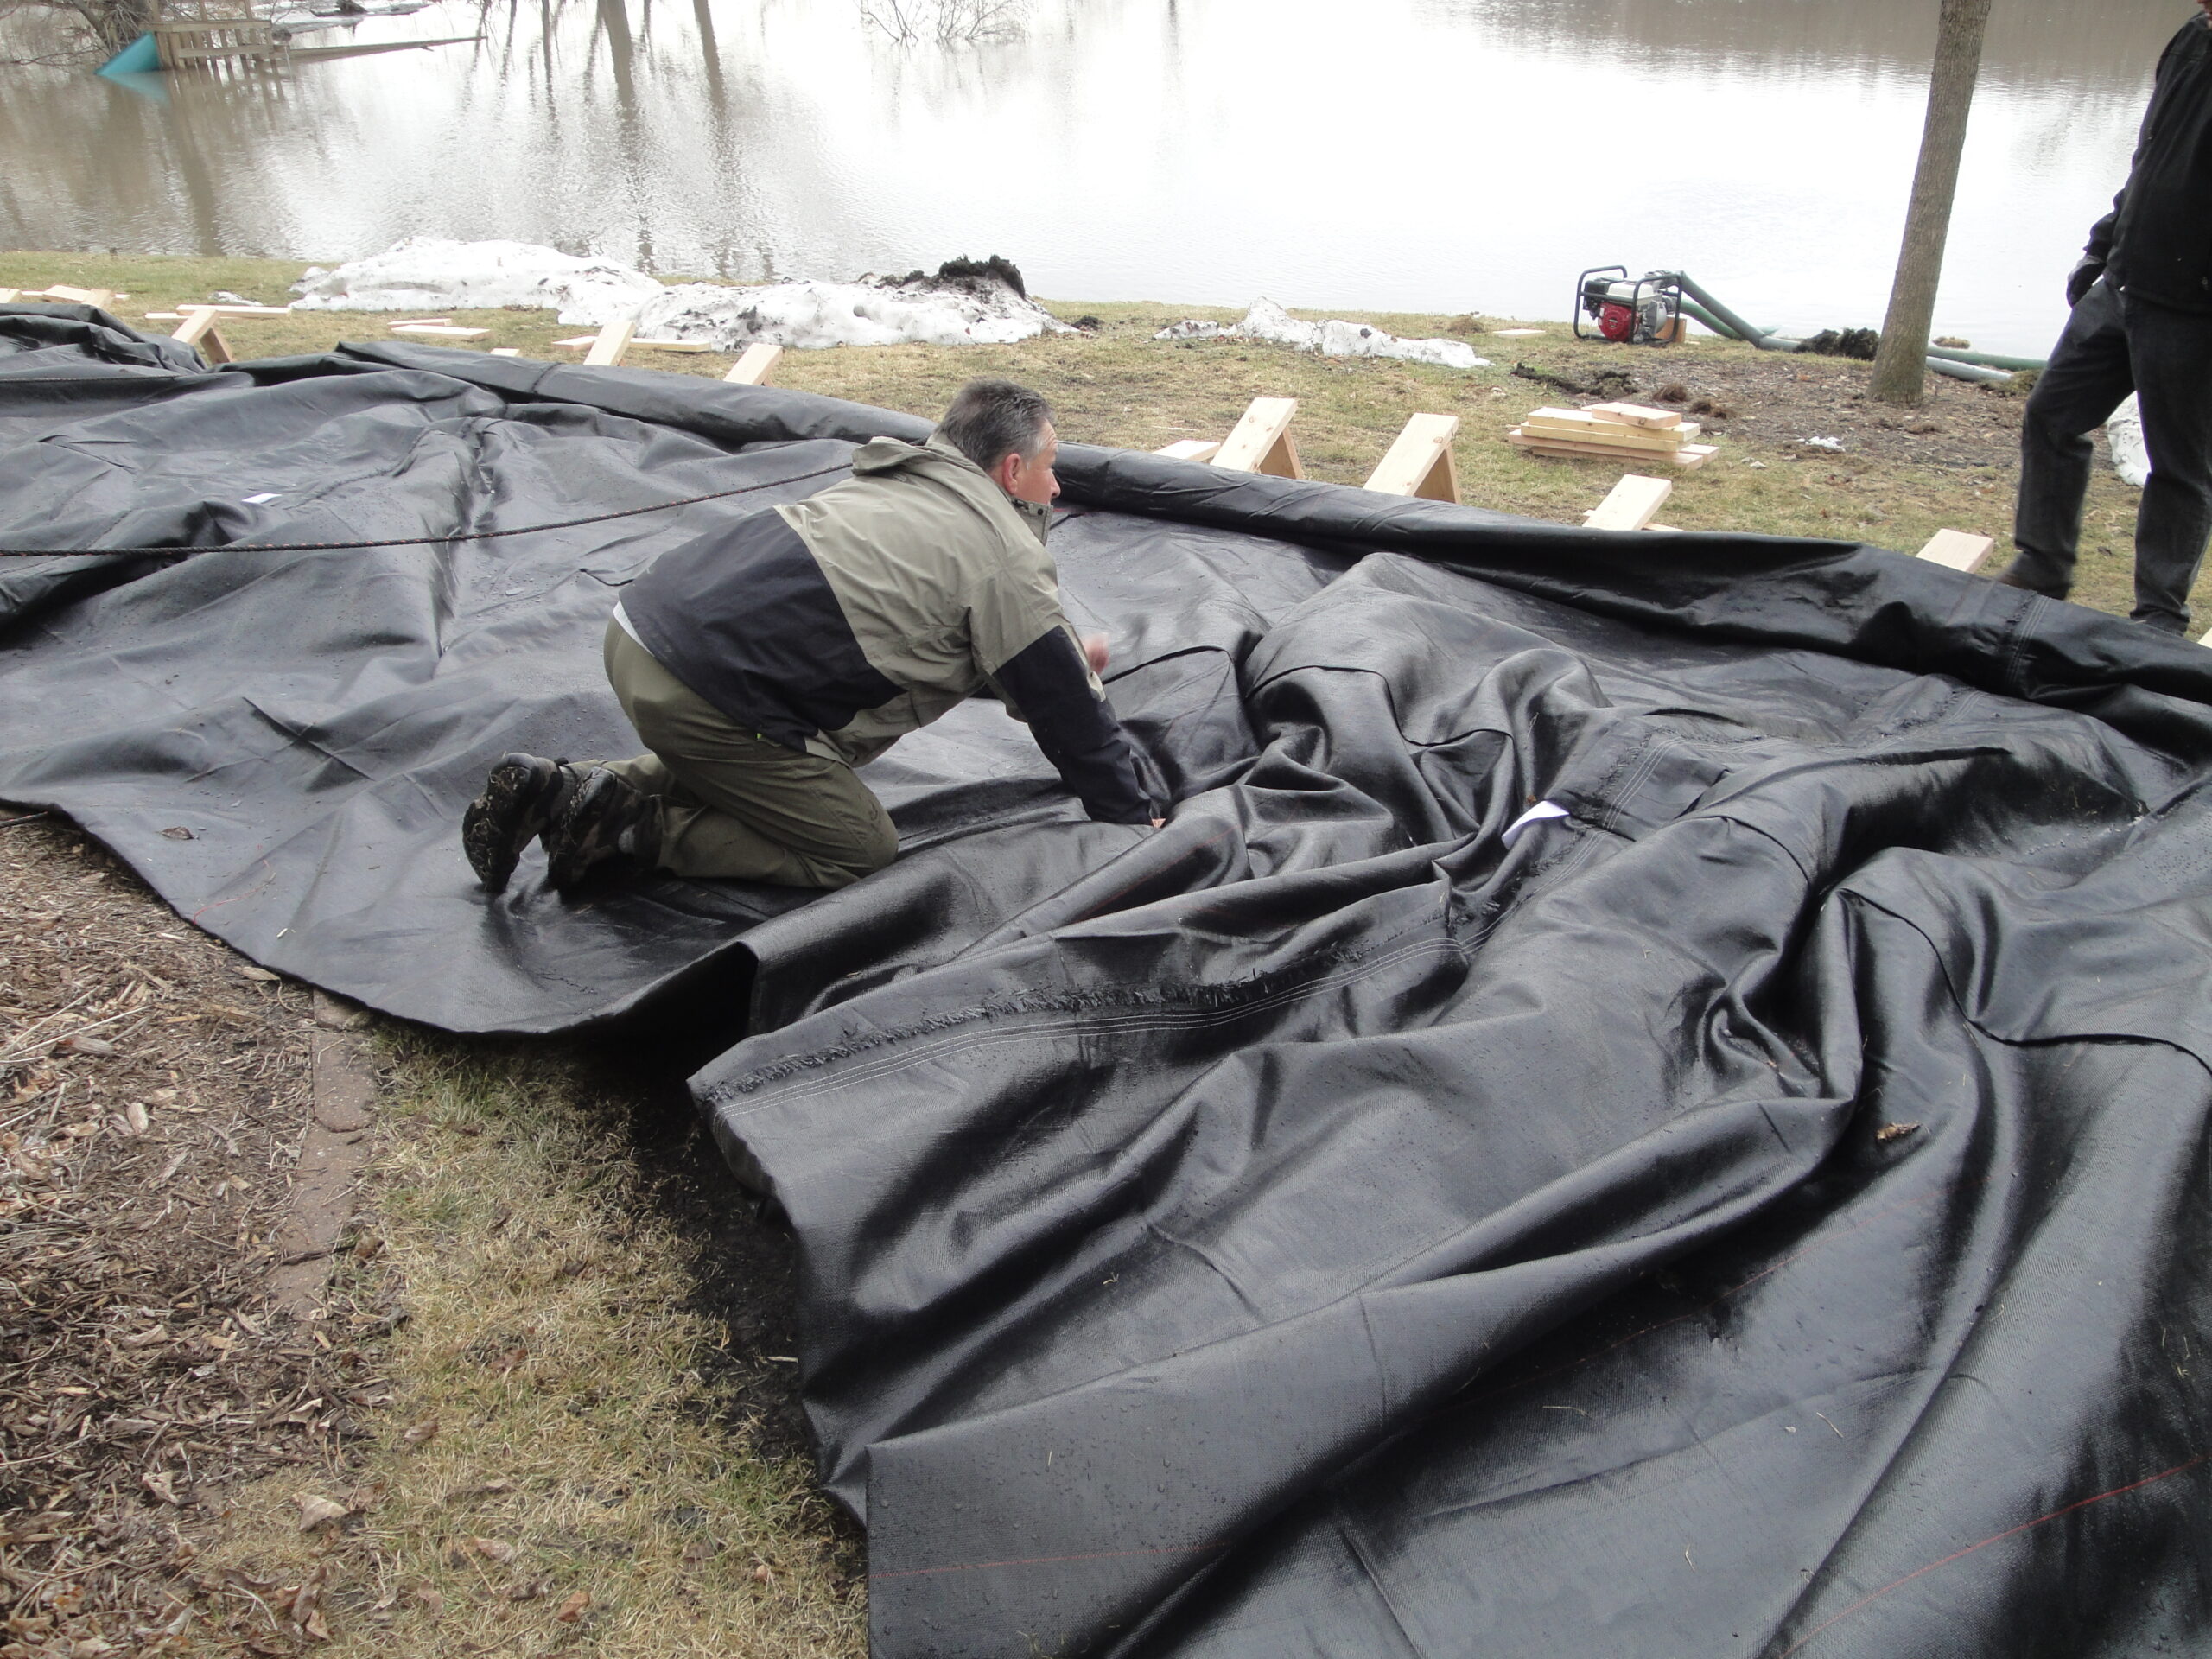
1140,1011
941,1051
2017,633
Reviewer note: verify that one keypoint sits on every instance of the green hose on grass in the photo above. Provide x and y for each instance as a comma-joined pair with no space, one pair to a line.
1983,368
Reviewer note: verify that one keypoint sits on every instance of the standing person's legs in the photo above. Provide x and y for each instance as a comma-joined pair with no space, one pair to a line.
2090,375
2171,351
734,803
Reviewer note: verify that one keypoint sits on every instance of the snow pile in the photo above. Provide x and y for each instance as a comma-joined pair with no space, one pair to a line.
1268,321
2124,432
966,303
874,311
428,274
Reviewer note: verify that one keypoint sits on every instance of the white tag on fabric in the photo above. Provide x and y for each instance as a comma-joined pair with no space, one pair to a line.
256,501
1542,812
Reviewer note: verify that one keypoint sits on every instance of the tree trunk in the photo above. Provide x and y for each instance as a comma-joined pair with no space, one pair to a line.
1901,365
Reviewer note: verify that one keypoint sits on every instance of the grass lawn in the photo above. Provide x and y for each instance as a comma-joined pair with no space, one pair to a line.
567,1420
585,1438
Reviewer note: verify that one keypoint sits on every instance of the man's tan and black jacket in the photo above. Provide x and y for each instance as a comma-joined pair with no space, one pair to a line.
839,624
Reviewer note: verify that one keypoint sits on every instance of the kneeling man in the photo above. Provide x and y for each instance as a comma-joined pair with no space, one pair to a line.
761,663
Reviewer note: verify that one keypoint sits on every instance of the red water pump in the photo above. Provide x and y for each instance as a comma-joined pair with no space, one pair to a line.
1646,311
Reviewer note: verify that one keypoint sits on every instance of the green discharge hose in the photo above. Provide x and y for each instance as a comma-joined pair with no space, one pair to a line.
1984,368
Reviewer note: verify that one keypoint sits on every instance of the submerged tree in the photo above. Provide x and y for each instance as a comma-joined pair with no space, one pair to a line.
948,22
1901,365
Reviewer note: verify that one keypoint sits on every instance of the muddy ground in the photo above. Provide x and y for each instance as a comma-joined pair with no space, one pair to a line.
1782,399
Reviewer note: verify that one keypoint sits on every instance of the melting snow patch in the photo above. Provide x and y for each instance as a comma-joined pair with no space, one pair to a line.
1268,321
874,311
425,273
2124,432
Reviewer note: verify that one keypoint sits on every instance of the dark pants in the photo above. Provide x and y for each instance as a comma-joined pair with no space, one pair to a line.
732,802
2113,345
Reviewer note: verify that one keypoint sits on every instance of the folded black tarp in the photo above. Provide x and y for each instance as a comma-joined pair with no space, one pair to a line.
1762,1211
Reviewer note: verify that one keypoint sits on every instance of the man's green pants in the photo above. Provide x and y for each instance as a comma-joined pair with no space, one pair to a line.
735,804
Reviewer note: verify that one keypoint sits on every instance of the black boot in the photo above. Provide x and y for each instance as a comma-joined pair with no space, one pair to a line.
607,828
2013,576
523,796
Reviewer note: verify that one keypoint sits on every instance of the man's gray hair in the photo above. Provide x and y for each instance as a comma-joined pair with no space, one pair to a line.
989,420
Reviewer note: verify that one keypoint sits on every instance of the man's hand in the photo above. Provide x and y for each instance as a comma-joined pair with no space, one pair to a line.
2081,279
1094,651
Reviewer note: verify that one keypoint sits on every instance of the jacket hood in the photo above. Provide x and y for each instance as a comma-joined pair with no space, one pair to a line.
891,455
940,463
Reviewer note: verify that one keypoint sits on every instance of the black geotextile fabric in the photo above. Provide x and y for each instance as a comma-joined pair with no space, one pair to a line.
1761,1212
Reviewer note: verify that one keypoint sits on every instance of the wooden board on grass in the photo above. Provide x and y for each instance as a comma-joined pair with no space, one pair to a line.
1191,450
1613,439
612,341
1631,504
1957,548
1688,456
1633,414
1581,428
198,329
1419,463
755,364
1261,442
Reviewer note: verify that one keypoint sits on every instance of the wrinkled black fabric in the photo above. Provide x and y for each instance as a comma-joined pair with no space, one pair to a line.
1763,1212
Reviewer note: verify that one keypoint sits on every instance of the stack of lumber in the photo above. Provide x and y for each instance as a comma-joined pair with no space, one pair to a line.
1613,432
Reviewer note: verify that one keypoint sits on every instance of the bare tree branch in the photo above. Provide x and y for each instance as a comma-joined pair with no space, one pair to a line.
949,23
81,28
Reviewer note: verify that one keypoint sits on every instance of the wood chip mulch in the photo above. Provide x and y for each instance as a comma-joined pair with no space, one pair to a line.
154,1089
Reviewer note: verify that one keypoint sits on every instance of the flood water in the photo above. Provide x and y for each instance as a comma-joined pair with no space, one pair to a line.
1417,155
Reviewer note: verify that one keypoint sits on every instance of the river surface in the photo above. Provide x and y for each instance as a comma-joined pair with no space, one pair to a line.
1414,155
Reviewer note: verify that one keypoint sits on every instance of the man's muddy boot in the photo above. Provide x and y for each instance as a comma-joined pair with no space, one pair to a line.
524,796
607,829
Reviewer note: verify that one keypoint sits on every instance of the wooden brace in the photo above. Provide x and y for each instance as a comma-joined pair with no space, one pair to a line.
754,365
1420,462
1261,442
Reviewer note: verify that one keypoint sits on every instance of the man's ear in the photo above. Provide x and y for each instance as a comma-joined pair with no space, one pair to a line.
1004,474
